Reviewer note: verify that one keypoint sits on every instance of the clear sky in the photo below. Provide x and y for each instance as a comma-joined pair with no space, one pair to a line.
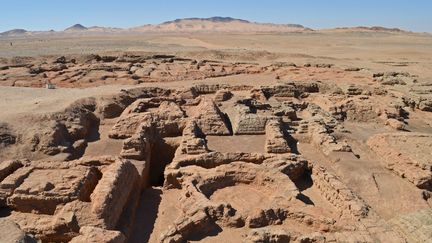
413,15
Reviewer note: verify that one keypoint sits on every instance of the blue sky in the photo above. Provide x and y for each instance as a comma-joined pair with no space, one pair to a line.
413,15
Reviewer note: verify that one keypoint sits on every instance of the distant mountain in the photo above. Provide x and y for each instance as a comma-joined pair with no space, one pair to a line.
212,19
380,28
199,25
76,27
218,24
366,29
14,32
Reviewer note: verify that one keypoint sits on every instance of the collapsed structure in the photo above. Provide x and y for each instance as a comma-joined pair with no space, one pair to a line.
69,189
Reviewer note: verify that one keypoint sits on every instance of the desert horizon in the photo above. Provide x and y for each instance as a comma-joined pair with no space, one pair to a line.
209,24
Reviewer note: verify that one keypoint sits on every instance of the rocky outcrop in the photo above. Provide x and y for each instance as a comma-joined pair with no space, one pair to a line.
222,95
291,89
12,181
133,148
413,164
10,232
396,124
267,235
199,187
266,217
201,213
353,90
214,159
187,93
338,194
201,182
78,120
95,235
275,138
321,138
286,109
416,102
136,147
258,94
7,136
54,200
210,119
43,189
92,69
393,78
425,104
168,120
420,225
193,140
359,109
64,133
112,192
8,167
111,106
245,122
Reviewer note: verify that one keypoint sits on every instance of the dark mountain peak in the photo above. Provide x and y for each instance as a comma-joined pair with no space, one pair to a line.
372,28
216,19
14,32
76,27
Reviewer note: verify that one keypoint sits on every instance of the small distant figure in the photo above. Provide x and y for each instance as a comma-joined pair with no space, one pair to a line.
11,44
49,85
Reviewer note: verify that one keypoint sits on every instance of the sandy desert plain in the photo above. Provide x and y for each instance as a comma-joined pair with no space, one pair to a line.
216,136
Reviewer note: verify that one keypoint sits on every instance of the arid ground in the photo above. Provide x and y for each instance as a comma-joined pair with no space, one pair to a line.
314,136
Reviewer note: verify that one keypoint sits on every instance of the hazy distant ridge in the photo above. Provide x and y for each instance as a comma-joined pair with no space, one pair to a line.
212,19
212,24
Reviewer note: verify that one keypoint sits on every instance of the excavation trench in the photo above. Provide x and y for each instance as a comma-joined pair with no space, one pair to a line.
303,183
162,153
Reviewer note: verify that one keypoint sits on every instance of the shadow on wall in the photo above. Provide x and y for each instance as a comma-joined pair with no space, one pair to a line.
5,211
211,231
146,215
292,142
228,123
161,155
302,183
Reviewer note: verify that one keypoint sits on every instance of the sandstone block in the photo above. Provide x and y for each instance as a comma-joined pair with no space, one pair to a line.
44,189
112,192
91,234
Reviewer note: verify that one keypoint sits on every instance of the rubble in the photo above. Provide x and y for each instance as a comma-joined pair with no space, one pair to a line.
210,119
140,164
275,139
12,233
413,165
